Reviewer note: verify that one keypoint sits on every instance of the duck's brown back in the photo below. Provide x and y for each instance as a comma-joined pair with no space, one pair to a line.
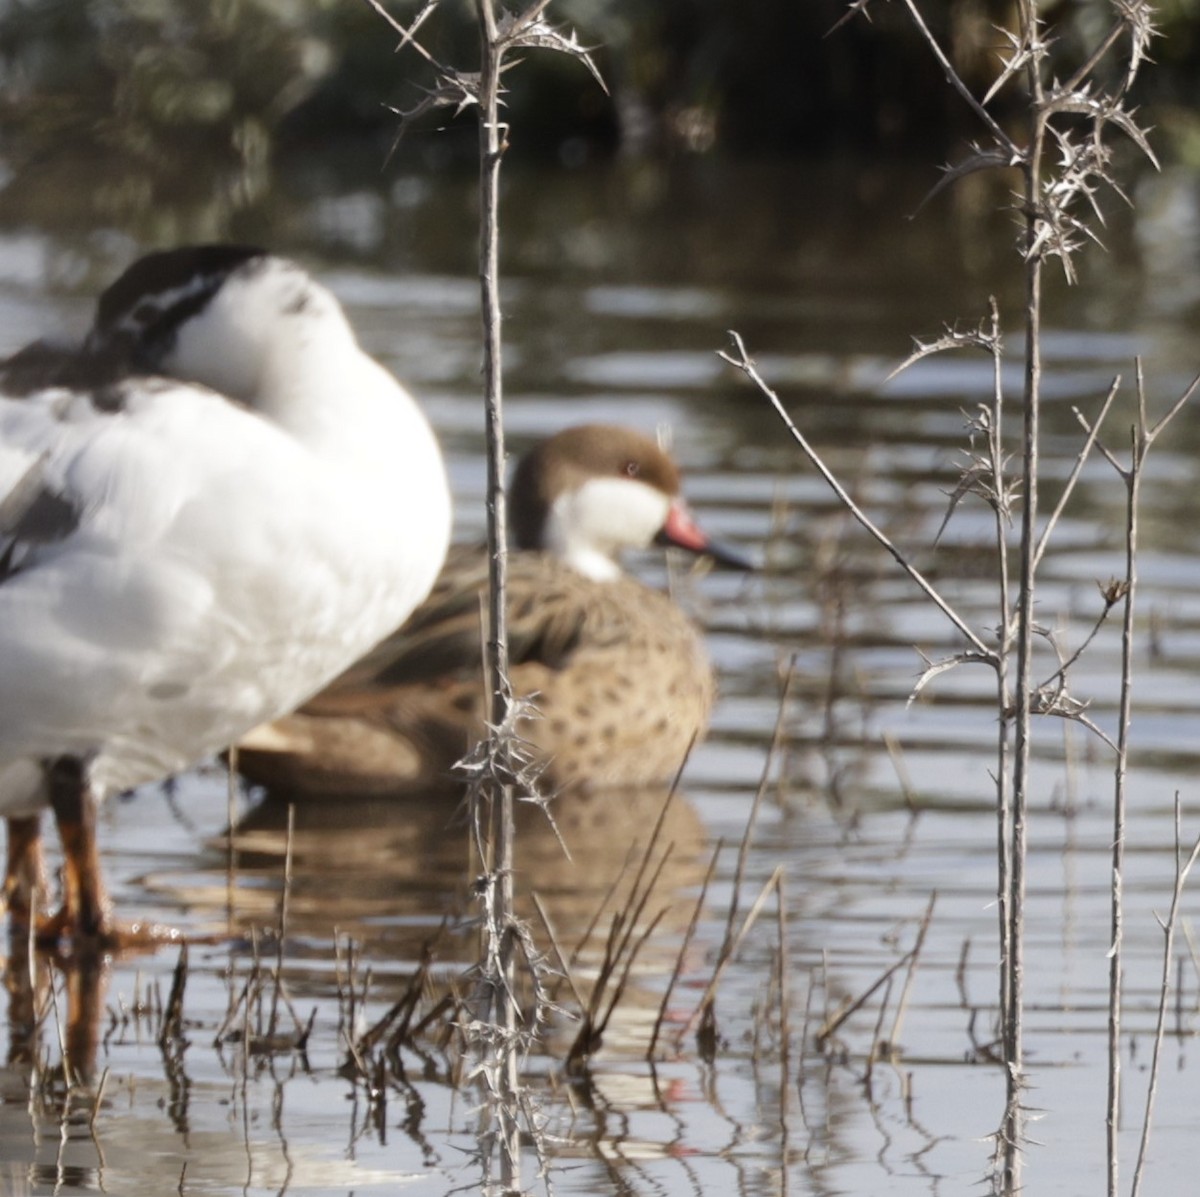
617,674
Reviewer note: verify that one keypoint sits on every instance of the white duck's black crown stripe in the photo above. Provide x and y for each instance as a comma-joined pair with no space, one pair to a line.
135,324
136,320
138,316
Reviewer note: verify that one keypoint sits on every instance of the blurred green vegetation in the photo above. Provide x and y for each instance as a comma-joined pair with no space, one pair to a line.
164,102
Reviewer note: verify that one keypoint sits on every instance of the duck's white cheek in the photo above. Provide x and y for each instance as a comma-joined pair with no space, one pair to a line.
591,526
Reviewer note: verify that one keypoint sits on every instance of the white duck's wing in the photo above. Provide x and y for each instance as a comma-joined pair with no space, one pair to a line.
154,541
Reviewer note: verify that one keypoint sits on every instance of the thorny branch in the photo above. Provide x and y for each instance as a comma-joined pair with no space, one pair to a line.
461,89
1182,869
1085,159
1092,430
741,359
1060,210
501,766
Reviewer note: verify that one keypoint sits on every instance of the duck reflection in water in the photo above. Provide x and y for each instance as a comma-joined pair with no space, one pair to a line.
388,872
35,1011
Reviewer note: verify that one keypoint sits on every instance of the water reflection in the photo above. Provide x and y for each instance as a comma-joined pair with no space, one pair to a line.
73,1121
619,288
389,871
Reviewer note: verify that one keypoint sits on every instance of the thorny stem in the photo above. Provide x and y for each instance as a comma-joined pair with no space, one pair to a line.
1013,966
407,36
1133,481
1093,430
1050,230
494,1029
996,463
491,153
1142,438
952,77
499,869
1085,71
1058,679
744,362
1003,726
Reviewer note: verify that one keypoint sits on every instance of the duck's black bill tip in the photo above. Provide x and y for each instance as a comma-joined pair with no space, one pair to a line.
729,557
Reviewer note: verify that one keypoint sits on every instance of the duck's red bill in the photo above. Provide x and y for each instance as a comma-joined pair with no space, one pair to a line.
682,531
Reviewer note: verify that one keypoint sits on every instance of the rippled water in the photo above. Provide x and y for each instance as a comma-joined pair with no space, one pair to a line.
619,286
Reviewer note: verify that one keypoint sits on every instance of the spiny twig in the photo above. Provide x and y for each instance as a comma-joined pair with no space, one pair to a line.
741,360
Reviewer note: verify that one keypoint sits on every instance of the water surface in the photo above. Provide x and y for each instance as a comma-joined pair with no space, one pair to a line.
619,286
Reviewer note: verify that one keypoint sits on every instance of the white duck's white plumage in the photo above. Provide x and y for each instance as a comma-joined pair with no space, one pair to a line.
179,563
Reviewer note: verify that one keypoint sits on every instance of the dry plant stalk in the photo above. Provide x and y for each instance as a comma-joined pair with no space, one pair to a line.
172,1021
705,1012
1142,438
1064,159
834,1021
1182,868
621,948
689,935
495,1030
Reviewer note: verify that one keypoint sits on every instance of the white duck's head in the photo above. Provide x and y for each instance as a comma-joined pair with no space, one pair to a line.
590,492
213,314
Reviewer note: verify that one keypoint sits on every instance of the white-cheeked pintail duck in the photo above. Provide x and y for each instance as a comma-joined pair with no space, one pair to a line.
616,672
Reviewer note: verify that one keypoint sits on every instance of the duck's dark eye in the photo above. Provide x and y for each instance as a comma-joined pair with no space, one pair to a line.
631,469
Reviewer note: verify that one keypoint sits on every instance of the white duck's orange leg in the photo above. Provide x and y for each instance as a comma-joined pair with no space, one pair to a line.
86,912
25,887
85,920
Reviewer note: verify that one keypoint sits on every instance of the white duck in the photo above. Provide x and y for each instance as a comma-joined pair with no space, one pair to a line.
179,563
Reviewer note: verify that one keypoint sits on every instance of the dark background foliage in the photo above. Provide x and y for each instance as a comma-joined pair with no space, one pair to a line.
161,100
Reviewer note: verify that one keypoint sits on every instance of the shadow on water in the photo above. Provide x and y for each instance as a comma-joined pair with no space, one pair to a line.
620,284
